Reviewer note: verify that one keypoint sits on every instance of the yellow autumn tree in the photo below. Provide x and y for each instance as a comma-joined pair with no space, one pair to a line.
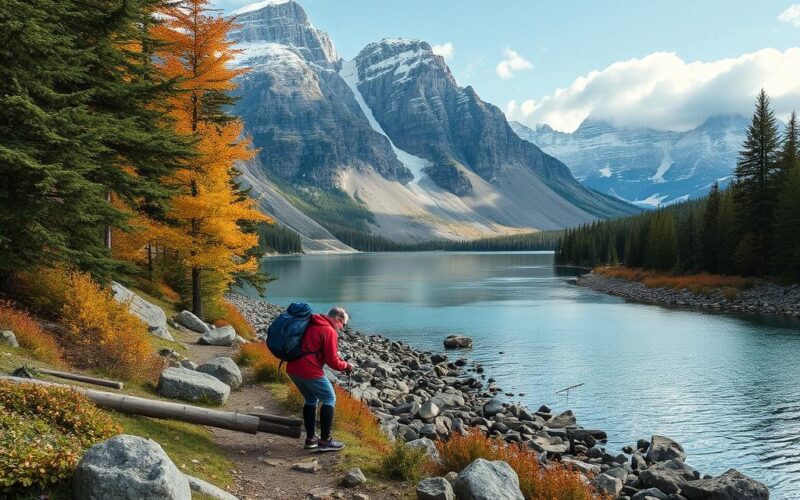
208,213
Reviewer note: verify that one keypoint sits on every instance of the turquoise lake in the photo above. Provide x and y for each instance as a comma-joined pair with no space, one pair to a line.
726,387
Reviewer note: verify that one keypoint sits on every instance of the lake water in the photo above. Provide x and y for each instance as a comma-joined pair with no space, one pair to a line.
726,387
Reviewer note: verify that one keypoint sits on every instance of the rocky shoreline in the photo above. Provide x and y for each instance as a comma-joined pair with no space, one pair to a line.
764,298
420,397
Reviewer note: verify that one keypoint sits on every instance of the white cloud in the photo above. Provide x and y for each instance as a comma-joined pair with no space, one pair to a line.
663,91
791,15
446,50
512,62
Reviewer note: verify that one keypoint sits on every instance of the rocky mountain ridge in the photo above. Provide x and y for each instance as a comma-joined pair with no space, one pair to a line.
645,166
393,131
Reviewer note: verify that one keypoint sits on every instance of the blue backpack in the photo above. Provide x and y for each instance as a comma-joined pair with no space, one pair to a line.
285,333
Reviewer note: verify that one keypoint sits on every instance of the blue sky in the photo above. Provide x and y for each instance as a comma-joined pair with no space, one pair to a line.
554,44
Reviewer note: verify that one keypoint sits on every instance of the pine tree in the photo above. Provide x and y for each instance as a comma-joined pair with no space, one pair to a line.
787,227
755,171
710,232
79,119
208,214
662,243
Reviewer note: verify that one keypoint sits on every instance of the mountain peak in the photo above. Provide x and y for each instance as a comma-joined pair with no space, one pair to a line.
286,23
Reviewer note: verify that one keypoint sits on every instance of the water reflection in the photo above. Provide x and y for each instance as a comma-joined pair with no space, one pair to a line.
727,387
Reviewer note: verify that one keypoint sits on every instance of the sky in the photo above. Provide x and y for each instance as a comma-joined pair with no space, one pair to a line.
654,63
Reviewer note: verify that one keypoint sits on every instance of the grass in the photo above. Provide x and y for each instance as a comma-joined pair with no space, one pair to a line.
703,283
183,443
29,334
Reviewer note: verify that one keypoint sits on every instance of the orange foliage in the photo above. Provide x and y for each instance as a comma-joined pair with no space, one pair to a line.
29,334
354,417
699,283
207,212
99,332
553,482
236,319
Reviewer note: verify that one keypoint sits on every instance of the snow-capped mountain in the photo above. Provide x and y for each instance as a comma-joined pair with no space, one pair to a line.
644,166
394,131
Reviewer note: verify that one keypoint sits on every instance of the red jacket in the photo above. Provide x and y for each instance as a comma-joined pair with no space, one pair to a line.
322,340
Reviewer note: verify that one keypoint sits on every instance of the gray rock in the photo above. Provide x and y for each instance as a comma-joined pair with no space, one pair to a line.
733,485
224,369
199,486
485,480
669,477
189,364
222,336
190,385
435,488
309,467
492,407
192,322
650,493
553,445
457,342
129,468
8,338
608,484
566,419
429,410
663,448
429,447
353,478
151,314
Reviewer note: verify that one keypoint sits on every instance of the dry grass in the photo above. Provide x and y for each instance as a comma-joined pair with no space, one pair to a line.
554,482
29,334
266,366
237,320
699,283
354,417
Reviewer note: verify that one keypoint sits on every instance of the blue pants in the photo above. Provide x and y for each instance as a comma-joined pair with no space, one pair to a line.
315,390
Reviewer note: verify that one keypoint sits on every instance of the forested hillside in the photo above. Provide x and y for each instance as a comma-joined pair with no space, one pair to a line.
752,228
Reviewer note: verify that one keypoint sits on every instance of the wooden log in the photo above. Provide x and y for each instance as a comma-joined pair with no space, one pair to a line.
287,421
164,410
82,378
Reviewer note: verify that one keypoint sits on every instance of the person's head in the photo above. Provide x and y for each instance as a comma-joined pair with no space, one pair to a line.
339,317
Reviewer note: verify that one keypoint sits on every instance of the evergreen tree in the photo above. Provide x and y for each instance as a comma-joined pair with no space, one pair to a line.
710,232
662,242
790,152
79,120
787,227
755,171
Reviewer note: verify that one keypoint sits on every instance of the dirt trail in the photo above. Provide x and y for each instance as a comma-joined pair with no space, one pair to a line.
264,461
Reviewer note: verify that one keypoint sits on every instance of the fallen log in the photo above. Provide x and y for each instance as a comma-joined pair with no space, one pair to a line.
162,409
82,378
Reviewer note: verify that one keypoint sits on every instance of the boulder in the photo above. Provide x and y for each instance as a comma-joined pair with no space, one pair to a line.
207,489
662,449
222,336
733,485
8,338
669,477
151,314
608,484
353,478
492,407
428,446
224,369
649,494
566,419
129,467
192,322
485,480
552,445
435,488
457,342
190,385
429,410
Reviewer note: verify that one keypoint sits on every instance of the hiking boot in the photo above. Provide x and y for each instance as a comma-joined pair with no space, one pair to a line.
311,443
329,445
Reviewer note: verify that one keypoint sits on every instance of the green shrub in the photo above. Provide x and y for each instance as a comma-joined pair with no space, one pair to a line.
405,463
44,432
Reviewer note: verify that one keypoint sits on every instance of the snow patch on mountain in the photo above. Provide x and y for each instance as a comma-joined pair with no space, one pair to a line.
257,6
349,74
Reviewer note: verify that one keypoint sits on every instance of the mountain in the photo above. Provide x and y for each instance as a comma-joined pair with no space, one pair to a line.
645,166
388,143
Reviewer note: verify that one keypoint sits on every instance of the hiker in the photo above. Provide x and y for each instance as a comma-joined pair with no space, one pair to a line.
321,341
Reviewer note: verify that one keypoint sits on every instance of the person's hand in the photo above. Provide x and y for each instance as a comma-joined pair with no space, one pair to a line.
350,368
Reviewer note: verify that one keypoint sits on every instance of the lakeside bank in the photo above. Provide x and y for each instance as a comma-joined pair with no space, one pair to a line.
421,397
763,298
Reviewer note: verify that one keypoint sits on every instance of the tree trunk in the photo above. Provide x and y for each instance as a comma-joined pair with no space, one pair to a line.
197,302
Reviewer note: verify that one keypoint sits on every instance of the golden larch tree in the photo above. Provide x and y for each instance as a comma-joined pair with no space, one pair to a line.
207,214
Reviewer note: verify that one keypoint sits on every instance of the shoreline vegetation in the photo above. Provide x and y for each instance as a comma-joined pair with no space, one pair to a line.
730,294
